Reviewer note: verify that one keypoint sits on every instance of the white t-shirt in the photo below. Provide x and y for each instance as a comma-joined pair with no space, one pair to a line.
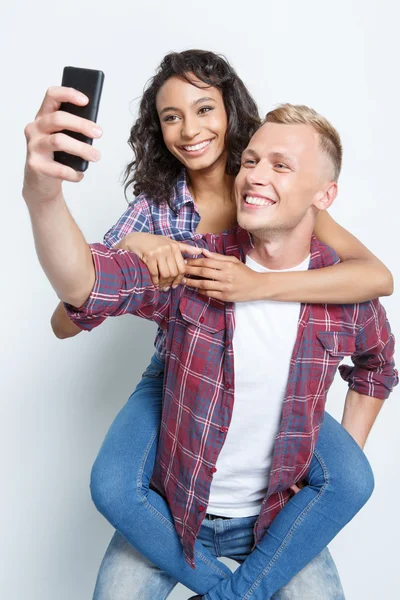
263,342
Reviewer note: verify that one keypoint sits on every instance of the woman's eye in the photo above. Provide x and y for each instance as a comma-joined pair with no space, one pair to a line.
170,118
205,109
249,162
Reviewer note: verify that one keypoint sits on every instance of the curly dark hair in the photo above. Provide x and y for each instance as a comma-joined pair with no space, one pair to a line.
154,169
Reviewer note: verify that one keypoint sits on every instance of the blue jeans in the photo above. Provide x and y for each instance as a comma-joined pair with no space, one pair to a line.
339,483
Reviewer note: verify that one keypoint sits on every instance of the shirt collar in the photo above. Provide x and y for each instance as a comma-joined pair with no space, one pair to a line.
180,194
321,255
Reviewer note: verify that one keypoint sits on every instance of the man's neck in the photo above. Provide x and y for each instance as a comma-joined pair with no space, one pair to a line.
282,250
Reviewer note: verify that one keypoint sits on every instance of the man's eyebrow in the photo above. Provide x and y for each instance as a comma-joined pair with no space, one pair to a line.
282,156
199,101
249,152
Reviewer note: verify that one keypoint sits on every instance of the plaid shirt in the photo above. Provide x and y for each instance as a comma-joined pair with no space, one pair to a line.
179,223
199,375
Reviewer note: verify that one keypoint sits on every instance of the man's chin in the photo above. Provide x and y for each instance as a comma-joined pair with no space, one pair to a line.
252,225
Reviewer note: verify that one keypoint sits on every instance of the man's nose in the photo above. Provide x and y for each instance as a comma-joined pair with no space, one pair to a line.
259,175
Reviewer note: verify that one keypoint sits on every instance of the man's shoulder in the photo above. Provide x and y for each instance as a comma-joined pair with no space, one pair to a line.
322,255
232,242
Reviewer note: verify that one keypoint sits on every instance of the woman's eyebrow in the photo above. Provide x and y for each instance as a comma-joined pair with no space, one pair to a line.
205,99
175,109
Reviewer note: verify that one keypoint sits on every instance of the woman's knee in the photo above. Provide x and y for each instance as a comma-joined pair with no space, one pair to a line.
356,478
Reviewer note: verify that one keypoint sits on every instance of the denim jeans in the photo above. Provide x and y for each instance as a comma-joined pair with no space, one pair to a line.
339,483
125,574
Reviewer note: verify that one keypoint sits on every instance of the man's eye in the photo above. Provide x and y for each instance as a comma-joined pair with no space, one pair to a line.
281,166
249,162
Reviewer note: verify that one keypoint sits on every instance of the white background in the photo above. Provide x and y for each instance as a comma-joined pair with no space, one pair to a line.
58,398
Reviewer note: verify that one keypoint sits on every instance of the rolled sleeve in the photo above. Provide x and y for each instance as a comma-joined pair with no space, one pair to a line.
123,285
374,373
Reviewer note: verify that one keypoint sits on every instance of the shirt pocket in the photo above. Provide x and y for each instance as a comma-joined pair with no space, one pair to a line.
330,349
209,317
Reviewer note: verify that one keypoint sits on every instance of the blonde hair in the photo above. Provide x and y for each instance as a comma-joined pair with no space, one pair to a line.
329,138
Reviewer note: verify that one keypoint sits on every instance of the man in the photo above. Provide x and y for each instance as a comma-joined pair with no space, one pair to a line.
289,172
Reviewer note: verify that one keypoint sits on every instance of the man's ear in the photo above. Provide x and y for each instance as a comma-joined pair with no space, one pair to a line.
326,197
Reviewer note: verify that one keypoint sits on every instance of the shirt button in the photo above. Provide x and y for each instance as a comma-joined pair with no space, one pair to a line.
223,429
228,387
201,320
201,508
213,470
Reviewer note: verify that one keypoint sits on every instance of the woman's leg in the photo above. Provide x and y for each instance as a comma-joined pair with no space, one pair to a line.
340,481
120,489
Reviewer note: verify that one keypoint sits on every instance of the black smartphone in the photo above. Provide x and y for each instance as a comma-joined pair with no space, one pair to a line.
90,83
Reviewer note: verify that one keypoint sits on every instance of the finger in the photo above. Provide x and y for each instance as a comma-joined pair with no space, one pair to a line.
221,257
188,249
56,95
181,265
204,273
295,488
178,280
163,270
60,120
204,284
205,262
212,294
53,169
65,143
179,261
172,266
152,266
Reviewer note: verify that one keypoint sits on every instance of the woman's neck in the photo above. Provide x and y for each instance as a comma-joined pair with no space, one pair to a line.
212,186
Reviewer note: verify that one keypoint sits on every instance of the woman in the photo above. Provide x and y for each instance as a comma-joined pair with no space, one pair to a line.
195,119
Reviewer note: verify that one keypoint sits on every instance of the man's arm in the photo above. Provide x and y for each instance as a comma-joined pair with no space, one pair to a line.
359,415
123,283
62,250
373,375
135,218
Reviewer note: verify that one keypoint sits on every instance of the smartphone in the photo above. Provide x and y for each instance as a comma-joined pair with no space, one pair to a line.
90,83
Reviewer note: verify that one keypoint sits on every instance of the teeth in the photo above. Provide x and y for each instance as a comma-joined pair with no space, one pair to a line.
197,146
258,201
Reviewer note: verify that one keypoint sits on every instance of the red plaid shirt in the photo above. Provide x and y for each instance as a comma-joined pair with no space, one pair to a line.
199,374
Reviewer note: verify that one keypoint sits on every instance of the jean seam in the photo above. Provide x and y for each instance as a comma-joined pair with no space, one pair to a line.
295,525
164,520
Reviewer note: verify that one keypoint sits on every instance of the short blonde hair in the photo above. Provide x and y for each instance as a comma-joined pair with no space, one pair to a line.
329,138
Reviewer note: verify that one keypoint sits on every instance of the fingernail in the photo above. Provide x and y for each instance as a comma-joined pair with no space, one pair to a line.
166,289
174,287
96,156
83,98
97,132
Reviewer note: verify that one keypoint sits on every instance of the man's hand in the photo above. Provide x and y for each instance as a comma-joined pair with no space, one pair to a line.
222,277
43,175
162,256
61,248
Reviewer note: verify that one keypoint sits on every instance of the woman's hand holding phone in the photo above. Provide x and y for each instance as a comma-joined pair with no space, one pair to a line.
43,175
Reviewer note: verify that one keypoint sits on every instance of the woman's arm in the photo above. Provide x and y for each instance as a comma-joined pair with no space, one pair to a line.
360,277
62,325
